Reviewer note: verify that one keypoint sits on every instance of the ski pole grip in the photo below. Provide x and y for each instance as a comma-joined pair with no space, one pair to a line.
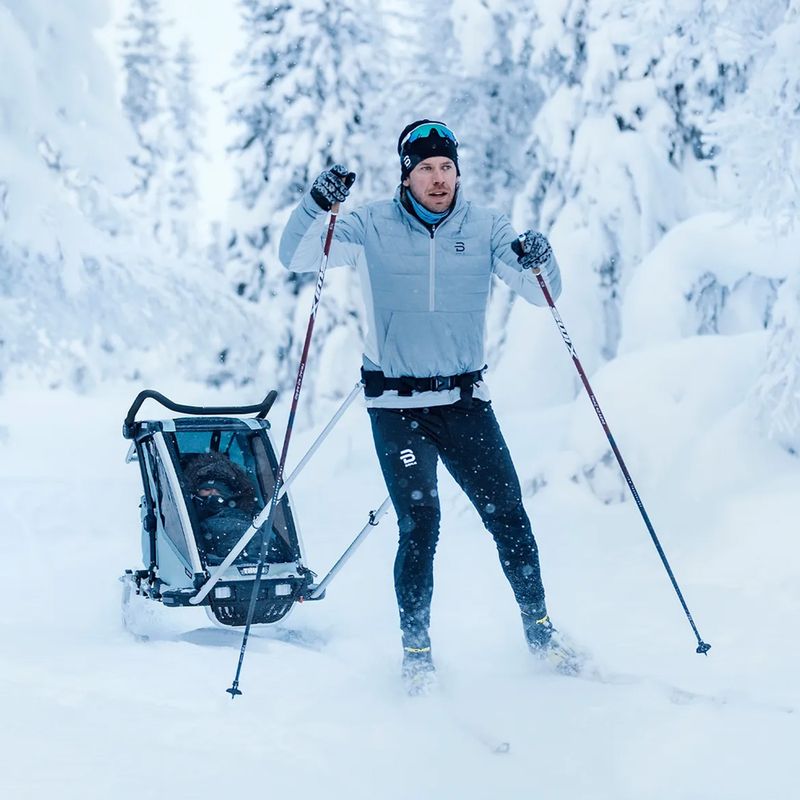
348,180
519,252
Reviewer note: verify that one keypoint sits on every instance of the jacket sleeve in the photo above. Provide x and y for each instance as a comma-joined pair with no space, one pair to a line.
508,269
301,244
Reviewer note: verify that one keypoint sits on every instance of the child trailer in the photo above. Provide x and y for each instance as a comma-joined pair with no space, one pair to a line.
207,479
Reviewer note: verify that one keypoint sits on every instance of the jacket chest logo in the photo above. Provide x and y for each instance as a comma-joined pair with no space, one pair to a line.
459,247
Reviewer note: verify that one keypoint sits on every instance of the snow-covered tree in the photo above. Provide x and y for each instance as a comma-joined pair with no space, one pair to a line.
144,58
759,144
162,107
182,150
494,97
85,292
758,134
778,389
298,105
617,151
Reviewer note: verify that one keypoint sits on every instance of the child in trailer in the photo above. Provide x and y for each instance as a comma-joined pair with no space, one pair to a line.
225,502
425,259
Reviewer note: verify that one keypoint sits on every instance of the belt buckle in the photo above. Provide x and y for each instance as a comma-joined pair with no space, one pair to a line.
440,383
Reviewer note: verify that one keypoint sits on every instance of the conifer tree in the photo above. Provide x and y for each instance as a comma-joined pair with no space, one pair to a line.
298,104
619,144
144,58
183,149
778,389
758,137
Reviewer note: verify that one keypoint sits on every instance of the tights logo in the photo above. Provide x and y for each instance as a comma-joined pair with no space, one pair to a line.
408,458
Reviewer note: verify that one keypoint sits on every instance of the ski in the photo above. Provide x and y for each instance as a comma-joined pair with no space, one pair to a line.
677,695
306,639
435,697
475,731
587,670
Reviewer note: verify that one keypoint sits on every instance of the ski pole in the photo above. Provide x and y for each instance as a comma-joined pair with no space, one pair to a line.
273,505
374,519
702,647
258,522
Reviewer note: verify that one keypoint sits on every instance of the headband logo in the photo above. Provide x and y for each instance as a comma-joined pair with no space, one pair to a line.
407,161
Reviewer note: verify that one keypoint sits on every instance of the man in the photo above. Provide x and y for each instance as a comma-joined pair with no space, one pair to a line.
425,260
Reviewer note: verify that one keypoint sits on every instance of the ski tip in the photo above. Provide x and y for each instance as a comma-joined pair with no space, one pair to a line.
703,648
501,748
233,691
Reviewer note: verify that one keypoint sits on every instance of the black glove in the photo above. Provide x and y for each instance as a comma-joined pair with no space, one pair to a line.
332,186
532,250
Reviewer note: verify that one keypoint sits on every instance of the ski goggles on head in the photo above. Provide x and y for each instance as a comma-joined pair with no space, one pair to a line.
425,130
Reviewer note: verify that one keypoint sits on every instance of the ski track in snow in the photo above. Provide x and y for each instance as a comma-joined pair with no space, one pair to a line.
92,712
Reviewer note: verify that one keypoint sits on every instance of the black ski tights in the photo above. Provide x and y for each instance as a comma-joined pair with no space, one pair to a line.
468,440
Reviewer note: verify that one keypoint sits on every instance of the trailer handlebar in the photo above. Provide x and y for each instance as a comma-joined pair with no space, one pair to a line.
260,410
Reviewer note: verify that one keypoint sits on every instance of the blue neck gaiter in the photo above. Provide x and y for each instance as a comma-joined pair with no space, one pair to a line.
428,217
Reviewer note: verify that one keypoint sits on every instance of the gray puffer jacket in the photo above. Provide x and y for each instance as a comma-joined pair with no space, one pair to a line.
425,291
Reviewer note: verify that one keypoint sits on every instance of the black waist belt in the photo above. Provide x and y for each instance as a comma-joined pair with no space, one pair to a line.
376,383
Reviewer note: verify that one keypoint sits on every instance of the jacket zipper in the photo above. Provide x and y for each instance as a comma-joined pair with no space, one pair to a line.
432,279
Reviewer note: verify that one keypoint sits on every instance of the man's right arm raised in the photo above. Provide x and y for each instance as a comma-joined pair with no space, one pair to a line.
303,237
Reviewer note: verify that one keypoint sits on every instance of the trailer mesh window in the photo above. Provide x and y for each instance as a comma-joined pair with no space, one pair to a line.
243,461
168,513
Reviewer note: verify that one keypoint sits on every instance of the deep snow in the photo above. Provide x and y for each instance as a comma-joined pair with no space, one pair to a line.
90,712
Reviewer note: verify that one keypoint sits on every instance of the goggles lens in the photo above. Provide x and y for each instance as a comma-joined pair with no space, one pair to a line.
425,130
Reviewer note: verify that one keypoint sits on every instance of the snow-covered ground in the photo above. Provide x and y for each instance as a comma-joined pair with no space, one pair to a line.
90,712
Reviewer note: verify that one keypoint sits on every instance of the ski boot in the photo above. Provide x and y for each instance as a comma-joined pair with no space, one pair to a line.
546,643
418,671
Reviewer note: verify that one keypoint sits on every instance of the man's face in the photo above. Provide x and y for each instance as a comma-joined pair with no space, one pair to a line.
433,183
